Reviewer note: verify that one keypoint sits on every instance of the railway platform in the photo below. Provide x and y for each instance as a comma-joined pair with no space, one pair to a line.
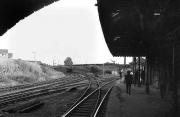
138,104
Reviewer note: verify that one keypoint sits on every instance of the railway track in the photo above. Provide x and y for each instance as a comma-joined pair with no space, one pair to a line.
90,105
25,86
53,87
100,111
94,84
27,95
33,92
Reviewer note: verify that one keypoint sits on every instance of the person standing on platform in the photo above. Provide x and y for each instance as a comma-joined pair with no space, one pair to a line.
120,74
128,80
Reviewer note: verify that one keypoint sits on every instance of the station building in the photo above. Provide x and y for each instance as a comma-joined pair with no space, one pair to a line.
4,54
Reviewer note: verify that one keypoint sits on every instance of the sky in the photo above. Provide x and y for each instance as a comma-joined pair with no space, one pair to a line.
67,28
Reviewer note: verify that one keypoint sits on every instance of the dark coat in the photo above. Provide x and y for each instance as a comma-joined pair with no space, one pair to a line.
128,79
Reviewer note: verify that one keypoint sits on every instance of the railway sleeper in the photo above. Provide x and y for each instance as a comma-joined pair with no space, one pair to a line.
31,108
83,110
81,114
21,107
90,104
86,106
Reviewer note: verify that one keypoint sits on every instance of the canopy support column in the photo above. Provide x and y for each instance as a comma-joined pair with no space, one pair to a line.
139,71
147,74
175,96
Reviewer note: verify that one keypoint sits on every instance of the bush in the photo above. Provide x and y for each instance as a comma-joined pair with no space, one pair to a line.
108,72
69,70
94,70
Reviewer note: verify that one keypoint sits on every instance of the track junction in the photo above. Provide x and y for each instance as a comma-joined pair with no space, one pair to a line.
95,92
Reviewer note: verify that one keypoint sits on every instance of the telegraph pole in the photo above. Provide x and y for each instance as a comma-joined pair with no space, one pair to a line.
147,74
53,62
34,55
103,70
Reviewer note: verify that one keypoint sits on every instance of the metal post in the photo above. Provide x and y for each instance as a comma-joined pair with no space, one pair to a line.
34,55
147,74
135,75
135,64
53,62
103,70
175,80
139,72
125,62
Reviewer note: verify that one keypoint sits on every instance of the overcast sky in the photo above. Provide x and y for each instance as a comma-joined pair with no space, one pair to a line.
65,28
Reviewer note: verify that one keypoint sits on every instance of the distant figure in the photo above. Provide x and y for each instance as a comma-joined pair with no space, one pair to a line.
128,80
120,74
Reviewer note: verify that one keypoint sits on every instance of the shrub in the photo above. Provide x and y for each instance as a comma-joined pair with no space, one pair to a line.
94,70
108,72
69,70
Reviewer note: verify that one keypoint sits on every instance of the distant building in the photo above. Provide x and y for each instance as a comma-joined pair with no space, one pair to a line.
4,54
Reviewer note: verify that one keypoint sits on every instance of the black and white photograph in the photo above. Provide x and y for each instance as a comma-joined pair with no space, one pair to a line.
89,58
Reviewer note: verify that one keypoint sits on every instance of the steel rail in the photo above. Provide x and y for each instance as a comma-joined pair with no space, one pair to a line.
102,101
70,112
29,95
45,89
37,88
81,97
84,96
12,88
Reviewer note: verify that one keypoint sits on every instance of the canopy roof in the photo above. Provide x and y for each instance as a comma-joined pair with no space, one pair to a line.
11,11
135,27
130,27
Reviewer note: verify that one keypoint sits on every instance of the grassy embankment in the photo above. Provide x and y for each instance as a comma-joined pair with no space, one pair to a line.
16,72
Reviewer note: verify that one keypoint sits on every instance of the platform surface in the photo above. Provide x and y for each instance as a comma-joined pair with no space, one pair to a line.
138,104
